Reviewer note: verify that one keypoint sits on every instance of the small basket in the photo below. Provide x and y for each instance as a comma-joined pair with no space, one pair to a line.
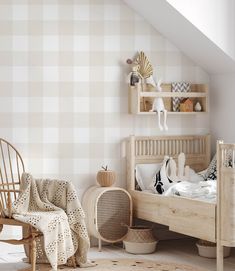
208,249
140,240
140,234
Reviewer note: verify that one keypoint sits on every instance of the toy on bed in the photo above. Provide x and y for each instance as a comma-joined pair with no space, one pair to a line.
169,174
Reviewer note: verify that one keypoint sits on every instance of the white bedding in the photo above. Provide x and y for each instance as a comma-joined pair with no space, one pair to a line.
169,179
203,190
196,187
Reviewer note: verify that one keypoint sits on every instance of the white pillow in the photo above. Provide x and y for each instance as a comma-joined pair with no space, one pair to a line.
196,177
144,174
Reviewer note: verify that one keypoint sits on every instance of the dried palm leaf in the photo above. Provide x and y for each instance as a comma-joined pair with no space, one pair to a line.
145,68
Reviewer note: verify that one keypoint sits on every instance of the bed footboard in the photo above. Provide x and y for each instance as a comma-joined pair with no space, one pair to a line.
225,222
226,193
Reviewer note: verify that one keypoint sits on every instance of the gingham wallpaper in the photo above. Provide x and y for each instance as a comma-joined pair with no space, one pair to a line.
63,95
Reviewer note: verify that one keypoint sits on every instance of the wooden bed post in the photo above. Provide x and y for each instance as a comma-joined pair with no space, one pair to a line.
219,246
208,149
131,164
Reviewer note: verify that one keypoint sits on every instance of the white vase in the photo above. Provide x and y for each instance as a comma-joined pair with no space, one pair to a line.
198,107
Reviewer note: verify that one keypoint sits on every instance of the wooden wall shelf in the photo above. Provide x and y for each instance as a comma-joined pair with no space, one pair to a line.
137,99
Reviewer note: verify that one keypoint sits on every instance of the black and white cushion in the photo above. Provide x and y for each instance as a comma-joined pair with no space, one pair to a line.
211,173
161,180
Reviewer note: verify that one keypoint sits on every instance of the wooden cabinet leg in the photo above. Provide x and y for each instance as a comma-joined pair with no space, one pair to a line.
100,244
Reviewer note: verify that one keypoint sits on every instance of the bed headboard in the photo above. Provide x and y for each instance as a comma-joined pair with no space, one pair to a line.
152,149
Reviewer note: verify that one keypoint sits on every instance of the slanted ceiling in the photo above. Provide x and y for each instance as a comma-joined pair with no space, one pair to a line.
190,40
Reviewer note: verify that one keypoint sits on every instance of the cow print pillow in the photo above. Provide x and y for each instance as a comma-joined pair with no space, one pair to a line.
161,179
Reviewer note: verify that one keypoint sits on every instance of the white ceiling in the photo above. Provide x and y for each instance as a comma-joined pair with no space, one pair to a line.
190,40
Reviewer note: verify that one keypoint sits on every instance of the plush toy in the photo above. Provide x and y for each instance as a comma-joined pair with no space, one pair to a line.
182,172
158,104
169,174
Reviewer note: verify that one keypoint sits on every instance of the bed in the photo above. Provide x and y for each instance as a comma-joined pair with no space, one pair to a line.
211,221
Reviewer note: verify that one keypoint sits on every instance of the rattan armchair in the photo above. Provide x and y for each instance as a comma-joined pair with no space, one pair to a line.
11,168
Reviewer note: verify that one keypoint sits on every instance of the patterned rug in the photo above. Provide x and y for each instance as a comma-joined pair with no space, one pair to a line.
134,265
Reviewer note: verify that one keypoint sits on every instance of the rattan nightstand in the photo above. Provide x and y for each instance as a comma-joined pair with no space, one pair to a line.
108,210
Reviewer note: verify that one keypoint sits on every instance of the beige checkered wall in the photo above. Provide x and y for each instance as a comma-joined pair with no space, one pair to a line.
63,96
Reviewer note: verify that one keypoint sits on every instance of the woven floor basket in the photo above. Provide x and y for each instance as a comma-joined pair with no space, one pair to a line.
140,240
140,234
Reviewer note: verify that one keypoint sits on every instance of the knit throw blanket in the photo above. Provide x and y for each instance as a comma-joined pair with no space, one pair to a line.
52,206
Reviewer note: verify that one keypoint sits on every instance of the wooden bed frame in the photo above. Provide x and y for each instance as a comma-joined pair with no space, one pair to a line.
213,222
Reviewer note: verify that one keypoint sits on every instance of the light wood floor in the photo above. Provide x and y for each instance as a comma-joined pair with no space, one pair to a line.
180,251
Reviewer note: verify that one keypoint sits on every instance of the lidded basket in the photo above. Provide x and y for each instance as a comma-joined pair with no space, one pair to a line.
106,177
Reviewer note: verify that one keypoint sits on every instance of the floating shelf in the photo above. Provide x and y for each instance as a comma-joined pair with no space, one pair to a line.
140,102
172,94
172,113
